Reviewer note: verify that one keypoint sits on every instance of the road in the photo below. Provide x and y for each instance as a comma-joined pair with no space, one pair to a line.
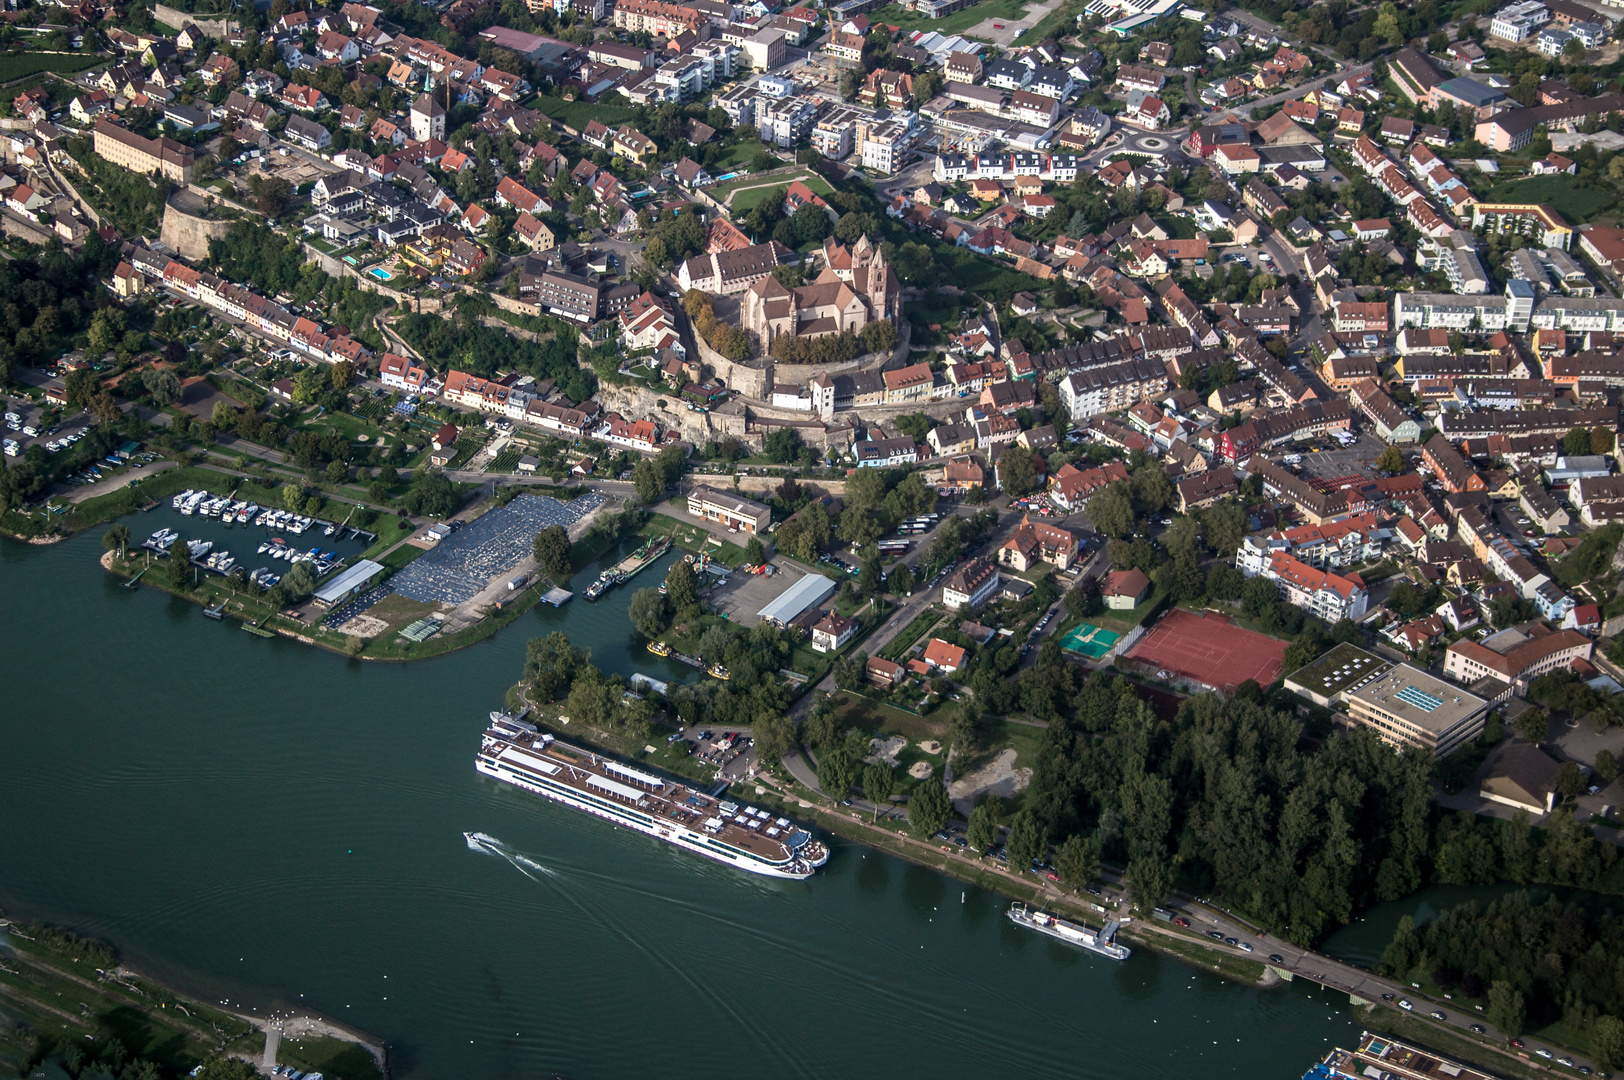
1292,94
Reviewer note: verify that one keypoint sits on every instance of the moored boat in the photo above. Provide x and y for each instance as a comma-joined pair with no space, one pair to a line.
744,837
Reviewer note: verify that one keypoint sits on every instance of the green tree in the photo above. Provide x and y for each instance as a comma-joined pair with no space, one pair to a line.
1534,726
783,445
293,497
550,665
648,612
1570,780
551,549
1259,597
1576,442
682,587
1017,471
300,581
1403,952
837,771
1606,766
983,832
879,783
1391,460
1506,1010
1111,510
647,480
1224,582
1607,1043
1025,844
1150,879
1602,440
1078,861
754,553
227,1068
902,580
117,538
161,384
431,494
929,808
1153,492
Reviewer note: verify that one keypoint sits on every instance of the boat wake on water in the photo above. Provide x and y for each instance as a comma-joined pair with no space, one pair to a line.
490,845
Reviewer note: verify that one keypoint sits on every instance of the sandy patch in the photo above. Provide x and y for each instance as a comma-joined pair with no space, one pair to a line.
931,747
921,770
364,626
999,776
886,750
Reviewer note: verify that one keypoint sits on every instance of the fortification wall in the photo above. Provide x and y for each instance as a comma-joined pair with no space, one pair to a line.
216,26
189,234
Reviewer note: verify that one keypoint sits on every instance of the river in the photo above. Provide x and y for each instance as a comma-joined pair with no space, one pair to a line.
270,824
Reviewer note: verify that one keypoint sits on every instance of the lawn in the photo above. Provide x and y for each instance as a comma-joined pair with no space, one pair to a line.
390,532
739,154
1577,201
21,65
577,114
342,424
957,22
749,196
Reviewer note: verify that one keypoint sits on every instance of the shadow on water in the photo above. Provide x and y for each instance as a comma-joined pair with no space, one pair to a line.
923,890
873,872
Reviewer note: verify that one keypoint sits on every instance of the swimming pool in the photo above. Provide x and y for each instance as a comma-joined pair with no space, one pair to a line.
380,273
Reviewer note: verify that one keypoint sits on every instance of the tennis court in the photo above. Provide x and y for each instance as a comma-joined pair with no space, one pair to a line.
1211,650
1089,640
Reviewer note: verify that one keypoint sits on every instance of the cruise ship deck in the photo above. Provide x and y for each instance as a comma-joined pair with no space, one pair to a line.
650,803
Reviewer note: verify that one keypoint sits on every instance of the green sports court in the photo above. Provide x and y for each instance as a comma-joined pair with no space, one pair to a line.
1089,640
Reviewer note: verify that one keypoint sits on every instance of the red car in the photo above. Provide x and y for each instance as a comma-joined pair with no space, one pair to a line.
997,26
1181,921
1517,1043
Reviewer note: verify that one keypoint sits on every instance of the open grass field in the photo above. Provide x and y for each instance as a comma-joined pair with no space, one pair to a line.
577,114
752,189
21,65
1578,202
957,22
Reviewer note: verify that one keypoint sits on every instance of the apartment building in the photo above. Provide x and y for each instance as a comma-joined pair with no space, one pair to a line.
1515,657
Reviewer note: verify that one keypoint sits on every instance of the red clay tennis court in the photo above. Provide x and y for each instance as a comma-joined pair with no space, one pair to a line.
1210,649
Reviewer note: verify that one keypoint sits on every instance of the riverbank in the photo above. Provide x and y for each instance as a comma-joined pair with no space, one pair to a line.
769,791
68,996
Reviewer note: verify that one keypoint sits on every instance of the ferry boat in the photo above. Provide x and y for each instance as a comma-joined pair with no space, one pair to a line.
599,587
659,648
1071,933
741,836
717,671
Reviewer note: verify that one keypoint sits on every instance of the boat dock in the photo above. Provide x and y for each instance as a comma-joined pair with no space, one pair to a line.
217,612
558,597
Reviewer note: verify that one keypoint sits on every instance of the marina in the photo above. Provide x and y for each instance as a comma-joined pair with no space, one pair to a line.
743,837
1101,942
350,795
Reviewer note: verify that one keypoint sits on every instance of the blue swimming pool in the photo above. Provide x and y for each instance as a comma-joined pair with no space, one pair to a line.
380,273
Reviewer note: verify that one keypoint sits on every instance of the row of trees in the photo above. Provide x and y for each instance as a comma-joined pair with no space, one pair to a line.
1531,963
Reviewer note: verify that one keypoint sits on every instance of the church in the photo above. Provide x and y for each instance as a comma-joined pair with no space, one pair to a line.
855,287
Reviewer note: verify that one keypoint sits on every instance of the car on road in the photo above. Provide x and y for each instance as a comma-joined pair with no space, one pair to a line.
1387,997
1405,1005
1246,946
1565,1061
1216,935
1437,1014
1479,1029
1516,1042
1231,941
1181,921
1544,1053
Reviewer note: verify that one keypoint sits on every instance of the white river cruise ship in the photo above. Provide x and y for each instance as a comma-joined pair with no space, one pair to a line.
742,836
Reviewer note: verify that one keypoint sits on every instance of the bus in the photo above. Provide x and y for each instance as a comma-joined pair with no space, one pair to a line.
894,547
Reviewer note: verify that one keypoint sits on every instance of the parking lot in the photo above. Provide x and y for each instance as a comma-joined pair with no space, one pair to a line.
732,751
1334,460
741,598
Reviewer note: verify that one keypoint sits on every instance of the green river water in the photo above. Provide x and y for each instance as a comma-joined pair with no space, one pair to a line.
269,824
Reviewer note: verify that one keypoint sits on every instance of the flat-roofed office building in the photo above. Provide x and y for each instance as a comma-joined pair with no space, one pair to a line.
1408,707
